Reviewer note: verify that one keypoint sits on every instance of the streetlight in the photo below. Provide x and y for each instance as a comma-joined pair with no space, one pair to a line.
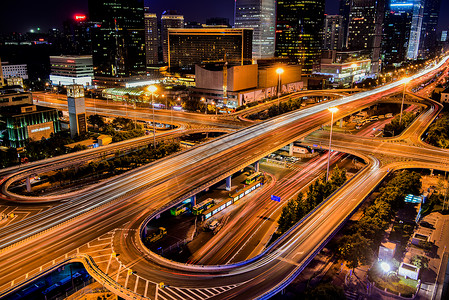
166,101
405,81
353,66
204,100
279,71
215,106
152,89
332,110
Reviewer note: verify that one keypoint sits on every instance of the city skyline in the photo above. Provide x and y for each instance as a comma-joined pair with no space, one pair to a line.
53,13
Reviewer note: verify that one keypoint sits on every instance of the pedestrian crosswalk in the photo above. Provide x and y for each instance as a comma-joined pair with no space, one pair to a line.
351,295
168,292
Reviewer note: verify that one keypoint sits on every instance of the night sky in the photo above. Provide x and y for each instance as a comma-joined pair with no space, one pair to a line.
21,16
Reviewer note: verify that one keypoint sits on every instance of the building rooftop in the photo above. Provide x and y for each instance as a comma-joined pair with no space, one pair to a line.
15,110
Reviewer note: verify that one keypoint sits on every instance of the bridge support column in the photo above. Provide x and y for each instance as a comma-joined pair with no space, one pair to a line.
193,200
256,166
290,149
228,183
28,184
431,172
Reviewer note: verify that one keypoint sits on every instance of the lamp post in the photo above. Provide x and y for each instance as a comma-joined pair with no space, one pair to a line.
166,101
405,80
279,71
152,89
332,110
215,106
204,100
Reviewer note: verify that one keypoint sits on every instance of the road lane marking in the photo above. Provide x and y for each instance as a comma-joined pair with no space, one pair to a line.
126,281
135,286
185,293
118,272
146,289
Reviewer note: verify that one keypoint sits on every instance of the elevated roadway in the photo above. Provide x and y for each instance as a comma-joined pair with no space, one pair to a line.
127,201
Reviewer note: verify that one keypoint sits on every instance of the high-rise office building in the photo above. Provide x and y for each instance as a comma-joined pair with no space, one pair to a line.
333,32
428,41
118,42
299,26
260,15
77,34
402,32
151,38
190,46
365,28
345,9
169,19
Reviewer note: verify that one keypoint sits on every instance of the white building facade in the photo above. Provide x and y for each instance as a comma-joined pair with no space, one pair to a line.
10,71
69,70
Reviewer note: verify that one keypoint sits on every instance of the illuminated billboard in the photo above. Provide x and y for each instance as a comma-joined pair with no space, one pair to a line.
39,131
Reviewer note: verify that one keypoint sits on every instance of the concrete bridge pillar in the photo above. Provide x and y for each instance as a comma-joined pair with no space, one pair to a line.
256,166
193,200
28,184
290,149
228,183
431,172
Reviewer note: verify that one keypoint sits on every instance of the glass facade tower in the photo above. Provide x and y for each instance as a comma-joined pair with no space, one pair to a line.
299,26
260,15
402,30
118,41
429,28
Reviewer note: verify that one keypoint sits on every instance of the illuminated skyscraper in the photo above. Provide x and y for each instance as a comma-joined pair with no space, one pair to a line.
402,32
429,27
345,9
260,15
365,28
333,33
169,19
299,26
151,38
118,41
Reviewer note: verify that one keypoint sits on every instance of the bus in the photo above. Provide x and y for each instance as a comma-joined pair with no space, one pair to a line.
180,209
186,144
203,206
232,199
253,177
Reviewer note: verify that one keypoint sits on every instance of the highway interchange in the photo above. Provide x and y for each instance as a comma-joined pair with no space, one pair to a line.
123,204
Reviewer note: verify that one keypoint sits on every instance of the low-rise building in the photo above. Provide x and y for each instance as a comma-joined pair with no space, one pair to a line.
445,96
408,271
387,251
345,68
245,84
9,71
29,122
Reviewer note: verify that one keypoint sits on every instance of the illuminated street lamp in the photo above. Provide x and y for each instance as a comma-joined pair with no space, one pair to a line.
279,71
385,267
152,89
332,110
405,81
204,100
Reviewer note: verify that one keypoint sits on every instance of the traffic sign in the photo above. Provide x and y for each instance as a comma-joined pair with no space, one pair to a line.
275,198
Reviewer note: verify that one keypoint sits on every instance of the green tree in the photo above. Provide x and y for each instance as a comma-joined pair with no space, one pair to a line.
325,291
96,120
420,261
355,249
